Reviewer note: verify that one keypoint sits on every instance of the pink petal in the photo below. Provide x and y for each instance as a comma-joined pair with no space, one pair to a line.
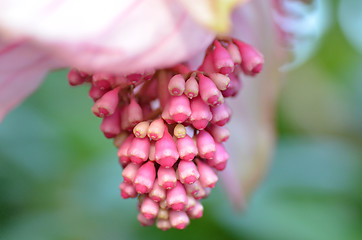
114,36
22,69
252,140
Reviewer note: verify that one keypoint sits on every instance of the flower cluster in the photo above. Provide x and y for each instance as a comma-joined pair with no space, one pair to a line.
169,127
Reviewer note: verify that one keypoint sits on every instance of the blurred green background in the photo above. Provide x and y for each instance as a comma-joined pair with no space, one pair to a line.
59,176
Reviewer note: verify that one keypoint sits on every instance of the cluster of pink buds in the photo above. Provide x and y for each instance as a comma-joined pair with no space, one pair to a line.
169,128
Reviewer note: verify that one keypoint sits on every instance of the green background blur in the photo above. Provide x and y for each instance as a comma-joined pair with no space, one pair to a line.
59,176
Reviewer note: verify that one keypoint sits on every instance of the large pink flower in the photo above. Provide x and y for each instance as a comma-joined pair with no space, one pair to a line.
122,37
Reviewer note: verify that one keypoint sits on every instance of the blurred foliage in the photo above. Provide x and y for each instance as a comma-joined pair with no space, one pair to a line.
59,175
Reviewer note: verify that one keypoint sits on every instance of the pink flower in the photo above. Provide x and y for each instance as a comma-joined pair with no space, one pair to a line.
122,43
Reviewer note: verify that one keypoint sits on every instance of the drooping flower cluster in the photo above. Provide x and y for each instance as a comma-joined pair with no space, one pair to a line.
169,128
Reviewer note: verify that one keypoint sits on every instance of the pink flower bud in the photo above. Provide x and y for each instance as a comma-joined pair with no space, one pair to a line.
200,194
208,177
123,150
221,114
141,129
127,190
191,87
252,60
134,112
138,151
156,129
187,172
186,148
222,59
103,80
120,81
220,159
234,86
205,144
149,208
176,197
145,221
176,86
233,50
129,172
219,133
145,178
191,202
208,63
96,93
193,188
157,193
107,104
221,81
166,153
111,125
179,219
166,114
166,177
163,224
200,113
179,108
209,92
75,78
197,211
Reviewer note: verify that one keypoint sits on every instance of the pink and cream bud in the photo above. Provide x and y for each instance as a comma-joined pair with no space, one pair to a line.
222,59
179,131
107,104
197,211
179,219
149,208
157,193
200,113
221,81
129,172
220,159
179,108
219,133
156,129
208,177
187,172
186,148
176,86
233,50
127,190
205,145
139,149
166,177
191,87
111,125
145,178
134,113
176,197
145,221
252,60
166,153
141,129
209,93
163,224
221,114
